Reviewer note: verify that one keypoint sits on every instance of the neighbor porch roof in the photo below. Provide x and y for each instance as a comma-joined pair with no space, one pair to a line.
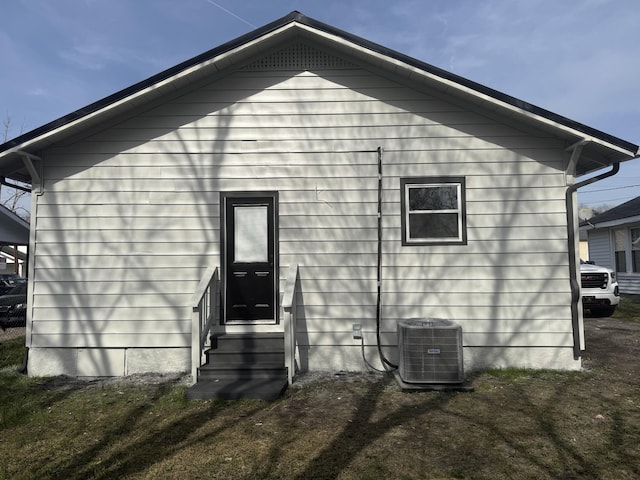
626,213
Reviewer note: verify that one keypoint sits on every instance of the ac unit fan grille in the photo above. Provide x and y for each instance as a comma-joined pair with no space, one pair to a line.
430,351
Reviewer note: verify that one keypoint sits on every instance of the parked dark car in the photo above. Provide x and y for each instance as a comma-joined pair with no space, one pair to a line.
8,281
13,307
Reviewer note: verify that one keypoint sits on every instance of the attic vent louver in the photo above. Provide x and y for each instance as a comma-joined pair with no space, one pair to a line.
299,56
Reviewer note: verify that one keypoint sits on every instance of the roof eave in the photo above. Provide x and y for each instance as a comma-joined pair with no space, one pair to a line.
616,222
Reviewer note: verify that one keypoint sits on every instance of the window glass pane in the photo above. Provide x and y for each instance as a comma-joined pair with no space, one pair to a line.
433,225
621,262
433,198
635,260
635,249
620,238
250,234
635,239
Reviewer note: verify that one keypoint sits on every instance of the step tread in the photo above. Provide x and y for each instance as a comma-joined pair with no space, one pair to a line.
243,366
247,343
252,339
233,389
249,335
241,351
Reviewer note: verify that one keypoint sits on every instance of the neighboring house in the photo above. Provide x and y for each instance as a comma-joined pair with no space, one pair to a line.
261,157
614,242
14,231
8,257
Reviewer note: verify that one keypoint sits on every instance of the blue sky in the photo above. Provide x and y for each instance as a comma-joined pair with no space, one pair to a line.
578,58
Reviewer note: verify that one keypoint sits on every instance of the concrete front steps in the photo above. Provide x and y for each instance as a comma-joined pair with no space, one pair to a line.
242,366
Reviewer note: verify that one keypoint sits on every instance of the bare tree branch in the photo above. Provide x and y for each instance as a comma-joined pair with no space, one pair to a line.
16,200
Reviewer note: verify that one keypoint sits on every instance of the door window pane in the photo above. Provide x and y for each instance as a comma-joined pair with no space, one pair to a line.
251,242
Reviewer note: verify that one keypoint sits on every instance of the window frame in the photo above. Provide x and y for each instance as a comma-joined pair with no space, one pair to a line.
407,183
634,248
620,248
625,253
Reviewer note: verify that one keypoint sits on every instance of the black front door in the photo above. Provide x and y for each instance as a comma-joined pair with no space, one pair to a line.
249,249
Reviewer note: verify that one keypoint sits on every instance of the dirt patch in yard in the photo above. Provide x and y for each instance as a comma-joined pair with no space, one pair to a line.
612,345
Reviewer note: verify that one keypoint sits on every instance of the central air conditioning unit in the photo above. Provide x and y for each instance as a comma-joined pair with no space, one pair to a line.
430,351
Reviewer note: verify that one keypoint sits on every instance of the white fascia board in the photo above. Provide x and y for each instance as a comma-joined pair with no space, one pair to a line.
618,222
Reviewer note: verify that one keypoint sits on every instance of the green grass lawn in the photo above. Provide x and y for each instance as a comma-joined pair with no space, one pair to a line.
629,308
516,424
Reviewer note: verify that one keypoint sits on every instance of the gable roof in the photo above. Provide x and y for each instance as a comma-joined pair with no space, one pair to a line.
627,212
600,149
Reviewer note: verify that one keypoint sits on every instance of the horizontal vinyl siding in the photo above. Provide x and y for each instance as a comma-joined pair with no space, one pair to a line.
130,216
600,248
629,283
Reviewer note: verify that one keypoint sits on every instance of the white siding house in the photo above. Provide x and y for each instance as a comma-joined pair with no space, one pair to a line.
14,230
614,242
267,151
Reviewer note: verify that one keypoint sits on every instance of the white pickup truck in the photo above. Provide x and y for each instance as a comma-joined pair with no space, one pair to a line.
599,289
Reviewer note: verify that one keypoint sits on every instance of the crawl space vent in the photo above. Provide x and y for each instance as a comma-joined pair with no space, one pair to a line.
430,351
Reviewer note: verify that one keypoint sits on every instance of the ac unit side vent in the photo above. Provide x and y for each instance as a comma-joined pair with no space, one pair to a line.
430,351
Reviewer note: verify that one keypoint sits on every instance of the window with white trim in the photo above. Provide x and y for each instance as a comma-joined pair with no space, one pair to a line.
620,241
626,242
433,210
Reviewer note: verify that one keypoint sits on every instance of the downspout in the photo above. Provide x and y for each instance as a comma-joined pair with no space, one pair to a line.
37,189
385,363
571,227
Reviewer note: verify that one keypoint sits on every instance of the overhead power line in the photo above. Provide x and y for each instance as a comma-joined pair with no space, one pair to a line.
616,201
608,189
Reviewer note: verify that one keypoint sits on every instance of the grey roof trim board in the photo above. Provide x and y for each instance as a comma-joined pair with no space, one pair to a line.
606,149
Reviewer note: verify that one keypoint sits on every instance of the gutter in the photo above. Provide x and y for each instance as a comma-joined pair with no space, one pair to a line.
571,227
612,223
